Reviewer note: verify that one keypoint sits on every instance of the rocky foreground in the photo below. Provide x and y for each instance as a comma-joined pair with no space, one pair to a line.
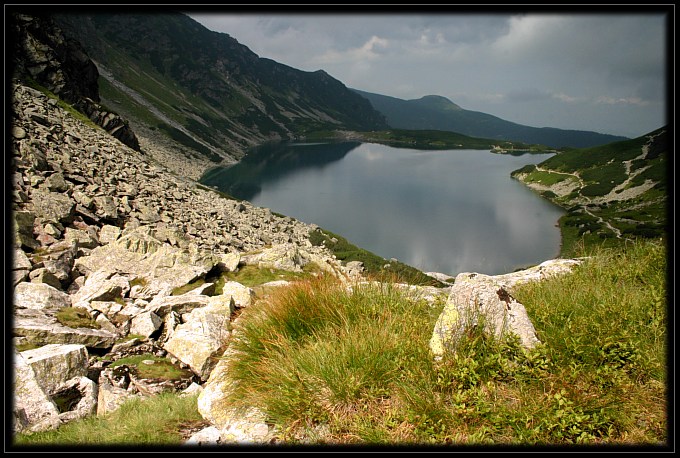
106,233
102,228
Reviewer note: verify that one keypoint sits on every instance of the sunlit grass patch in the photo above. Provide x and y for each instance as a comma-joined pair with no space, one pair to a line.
76,317
153,367
138,422
355,364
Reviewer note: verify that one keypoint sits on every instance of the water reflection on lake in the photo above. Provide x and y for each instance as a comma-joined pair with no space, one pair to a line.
445,211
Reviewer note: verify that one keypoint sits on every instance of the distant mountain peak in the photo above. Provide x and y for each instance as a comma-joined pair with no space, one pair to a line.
437,101
434,112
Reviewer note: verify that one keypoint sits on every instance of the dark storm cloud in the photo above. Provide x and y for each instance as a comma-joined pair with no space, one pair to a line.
603,72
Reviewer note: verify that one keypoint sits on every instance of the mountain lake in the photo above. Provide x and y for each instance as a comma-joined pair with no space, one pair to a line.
447,211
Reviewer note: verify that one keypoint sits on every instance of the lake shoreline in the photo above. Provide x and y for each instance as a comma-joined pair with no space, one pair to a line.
477,200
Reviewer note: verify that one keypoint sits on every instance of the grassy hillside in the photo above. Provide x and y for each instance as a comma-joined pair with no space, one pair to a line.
358,363
439,113
612,193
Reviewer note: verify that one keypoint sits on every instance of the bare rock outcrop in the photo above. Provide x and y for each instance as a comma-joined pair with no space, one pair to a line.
234,426
39,296
43,53
160,266
77,398
205,331
483,300
33,327
52,387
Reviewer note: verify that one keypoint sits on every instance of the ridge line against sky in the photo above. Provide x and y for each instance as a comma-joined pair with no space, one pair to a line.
602,72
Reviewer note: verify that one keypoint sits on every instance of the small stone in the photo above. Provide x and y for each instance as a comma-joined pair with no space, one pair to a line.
51,229
18,132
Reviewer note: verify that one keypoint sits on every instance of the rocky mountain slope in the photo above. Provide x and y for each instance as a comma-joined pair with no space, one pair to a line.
114,257
102,232
439,113
202,93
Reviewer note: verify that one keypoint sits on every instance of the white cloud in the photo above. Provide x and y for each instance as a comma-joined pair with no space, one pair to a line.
565,98
525,36
370,50
622,101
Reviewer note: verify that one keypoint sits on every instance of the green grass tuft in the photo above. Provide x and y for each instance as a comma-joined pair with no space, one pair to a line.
76,317
251,275
162,368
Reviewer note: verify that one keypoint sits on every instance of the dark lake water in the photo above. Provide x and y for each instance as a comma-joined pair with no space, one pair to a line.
440,211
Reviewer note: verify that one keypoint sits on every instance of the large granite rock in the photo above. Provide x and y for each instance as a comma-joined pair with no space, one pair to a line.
38,328
112,393
40,296
241,295
58,260
160,266
22,222
54,364
204,333
33,409
145,324
478,299
184,303
52,207
235,427
285,256
78,398
102,285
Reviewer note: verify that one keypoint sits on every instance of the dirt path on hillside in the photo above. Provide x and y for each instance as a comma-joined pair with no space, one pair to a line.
619,192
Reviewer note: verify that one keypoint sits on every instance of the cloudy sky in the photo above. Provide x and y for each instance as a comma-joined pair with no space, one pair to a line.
603,72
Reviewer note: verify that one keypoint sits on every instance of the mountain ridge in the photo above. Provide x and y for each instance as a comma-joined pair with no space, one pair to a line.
225,97
432,113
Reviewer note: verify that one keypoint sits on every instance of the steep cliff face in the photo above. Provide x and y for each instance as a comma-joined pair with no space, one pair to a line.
41,51
42,54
